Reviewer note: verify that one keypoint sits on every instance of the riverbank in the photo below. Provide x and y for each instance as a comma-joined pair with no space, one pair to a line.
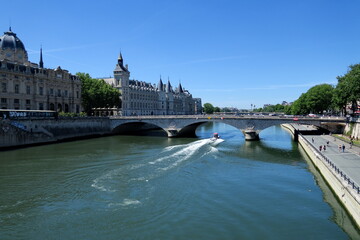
337,166
23,133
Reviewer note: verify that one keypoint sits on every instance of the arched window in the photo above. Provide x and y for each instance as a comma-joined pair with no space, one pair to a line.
59,108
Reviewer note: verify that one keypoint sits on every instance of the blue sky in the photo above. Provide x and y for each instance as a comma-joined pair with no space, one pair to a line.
229,53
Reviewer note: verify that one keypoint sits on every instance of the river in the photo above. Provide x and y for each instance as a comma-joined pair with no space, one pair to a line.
137,187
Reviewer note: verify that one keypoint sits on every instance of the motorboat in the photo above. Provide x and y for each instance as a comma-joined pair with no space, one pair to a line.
215,139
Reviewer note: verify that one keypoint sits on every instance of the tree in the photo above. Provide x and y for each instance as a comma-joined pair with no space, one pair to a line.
217,109
208,108
97,93
316,100
319,98
348,88
299,107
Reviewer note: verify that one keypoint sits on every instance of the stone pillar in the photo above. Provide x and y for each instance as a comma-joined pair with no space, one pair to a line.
172,132
251,135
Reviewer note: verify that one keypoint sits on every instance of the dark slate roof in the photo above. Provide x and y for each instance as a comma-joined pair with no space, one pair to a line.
120,66
160,85
10,40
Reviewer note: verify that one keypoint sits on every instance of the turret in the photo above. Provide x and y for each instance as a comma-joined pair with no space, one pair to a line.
160,85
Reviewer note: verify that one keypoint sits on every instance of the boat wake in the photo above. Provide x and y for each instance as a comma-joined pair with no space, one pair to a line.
125,180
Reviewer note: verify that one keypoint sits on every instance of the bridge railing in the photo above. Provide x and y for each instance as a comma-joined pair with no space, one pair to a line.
334,169
218,116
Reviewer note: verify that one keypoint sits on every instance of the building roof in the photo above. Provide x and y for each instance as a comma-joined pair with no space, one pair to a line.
120,65
10,40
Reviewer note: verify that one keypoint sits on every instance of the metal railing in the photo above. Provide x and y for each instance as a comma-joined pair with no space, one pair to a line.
340,174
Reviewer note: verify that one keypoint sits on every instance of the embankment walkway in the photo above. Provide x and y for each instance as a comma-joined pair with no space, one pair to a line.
348,161
339,167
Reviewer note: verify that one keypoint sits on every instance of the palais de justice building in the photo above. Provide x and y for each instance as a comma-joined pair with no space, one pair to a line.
142,98
29,86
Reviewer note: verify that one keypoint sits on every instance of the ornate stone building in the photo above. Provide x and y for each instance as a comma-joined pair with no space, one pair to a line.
141,98
29,86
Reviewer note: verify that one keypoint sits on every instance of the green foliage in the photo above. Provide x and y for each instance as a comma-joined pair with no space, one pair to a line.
217,109
316,100
348,88
208,108
97,93
279,108
69,114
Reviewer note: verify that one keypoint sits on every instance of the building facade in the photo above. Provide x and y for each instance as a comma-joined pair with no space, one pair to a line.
29,86
142,98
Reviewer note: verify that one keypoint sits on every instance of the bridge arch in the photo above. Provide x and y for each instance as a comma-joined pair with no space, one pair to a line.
185,126
139,128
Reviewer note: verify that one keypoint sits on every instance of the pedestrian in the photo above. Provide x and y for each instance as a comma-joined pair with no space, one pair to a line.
327,143
312,139
320,148
339,147
324,147
351,143
343,147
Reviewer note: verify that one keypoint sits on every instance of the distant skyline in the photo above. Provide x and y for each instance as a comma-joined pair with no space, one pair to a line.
229,53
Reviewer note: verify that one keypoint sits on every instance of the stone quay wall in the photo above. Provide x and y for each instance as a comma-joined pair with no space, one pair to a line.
342,188
17,133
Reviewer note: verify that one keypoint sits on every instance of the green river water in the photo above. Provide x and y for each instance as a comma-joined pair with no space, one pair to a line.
137,187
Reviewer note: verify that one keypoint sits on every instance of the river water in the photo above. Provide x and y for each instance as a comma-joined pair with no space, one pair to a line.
132,187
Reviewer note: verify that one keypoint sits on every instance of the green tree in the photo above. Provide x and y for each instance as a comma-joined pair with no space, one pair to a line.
348,88
316,100
217,109
208,108
299,107
97,93
319,98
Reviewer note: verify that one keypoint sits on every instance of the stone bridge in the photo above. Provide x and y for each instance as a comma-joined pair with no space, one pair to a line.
185,125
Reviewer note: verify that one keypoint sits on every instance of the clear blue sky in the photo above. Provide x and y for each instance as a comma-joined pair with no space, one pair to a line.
229,53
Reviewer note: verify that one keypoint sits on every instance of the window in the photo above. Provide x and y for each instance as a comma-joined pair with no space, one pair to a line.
16,101
77,94
41,106
51,91
3,87
66,93
28,102
59,93
3,100
28,90
16,88
41,90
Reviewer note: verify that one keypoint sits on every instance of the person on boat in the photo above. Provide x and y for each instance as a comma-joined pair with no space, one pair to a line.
216,136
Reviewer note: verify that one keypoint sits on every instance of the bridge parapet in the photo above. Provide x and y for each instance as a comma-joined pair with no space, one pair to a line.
185,125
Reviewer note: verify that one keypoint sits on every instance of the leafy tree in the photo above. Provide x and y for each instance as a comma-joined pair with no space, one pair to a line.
348,88
299,107
217,109
319,98
316,100
208,108
97,93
